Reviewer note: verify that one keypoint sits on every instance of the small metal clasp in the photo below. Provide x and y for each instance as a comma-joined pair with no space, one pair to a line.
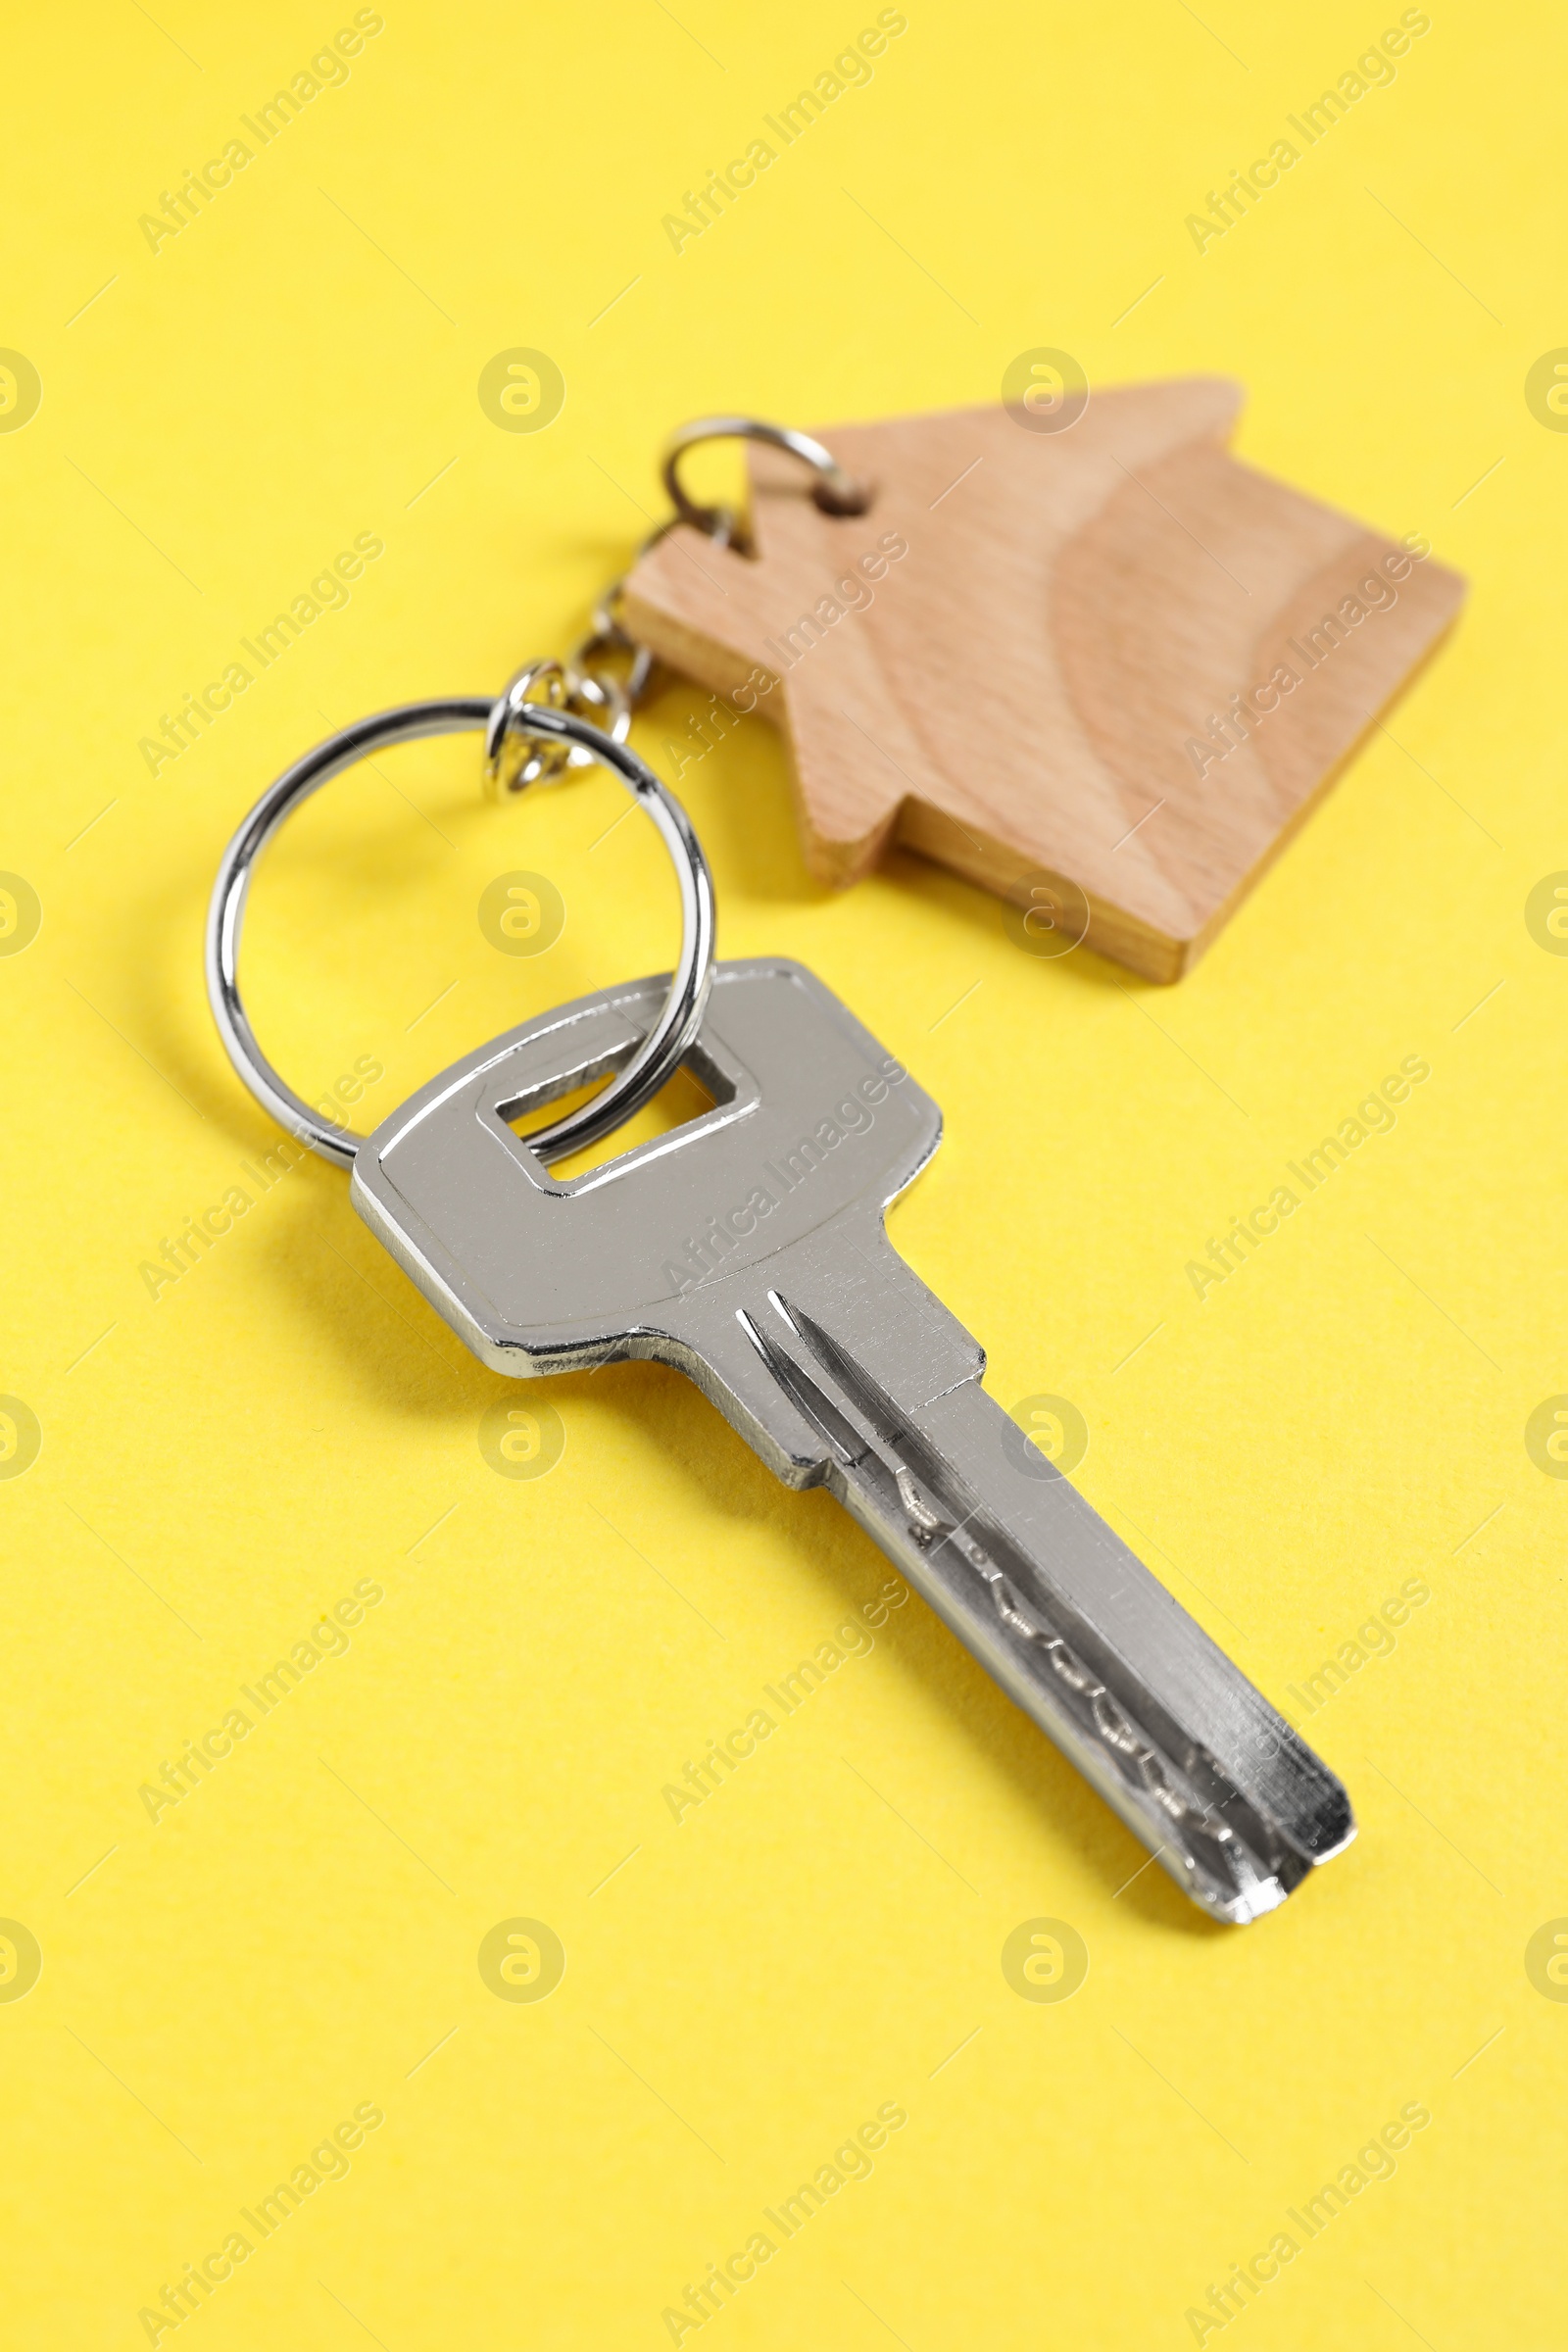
834,490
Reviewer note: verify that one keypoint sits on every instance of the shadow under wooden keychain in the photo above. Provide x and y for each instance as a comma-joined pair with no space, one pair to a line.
1174,654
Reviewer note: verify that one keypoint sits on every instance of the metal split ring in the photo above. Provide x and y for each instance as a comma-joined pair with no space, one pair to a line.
608,634
508,765
564,732
833,490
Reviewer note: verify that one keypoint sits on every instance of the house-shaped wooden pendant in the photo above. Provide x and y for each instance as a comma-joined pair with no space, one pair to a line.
1108,669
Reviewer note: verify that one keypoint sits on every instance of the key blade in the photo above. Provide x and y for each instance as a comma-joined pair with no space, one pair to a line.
1226,1794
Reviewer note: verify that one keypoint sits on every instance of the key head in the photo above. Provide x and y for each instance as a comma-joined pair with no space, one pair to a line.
813,1123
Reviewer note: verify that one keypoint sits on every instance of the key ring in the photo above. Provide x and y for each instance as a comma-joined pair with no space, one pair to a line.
561,738
834,490
618,691
678,1021
508,765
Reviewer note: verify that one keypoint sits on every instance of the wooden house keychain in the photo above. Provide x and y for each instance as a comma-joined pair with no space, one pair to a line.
1070,648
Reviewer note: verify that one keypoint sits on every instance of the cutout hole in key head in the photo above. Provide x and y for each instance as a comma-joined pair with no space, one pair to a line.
684,1096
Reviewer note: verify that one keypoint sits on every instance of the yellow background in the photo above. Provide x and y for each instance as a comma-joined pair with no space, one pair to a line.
221,1987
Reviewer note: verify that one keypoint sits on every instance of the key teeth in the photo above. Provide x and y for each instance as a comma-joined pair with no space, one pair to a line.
924,1523
1153,1774
1076,1677
1228,1877
1113,1725
1118,1730
1115,1728
1010,1608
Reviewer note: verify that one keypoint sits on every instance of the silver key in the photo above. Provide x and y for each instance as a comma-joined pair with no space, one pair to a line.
747,1248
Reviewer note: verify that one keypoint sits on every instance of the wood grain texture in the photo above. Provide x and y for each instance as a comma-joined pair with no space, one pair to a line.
1038,688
